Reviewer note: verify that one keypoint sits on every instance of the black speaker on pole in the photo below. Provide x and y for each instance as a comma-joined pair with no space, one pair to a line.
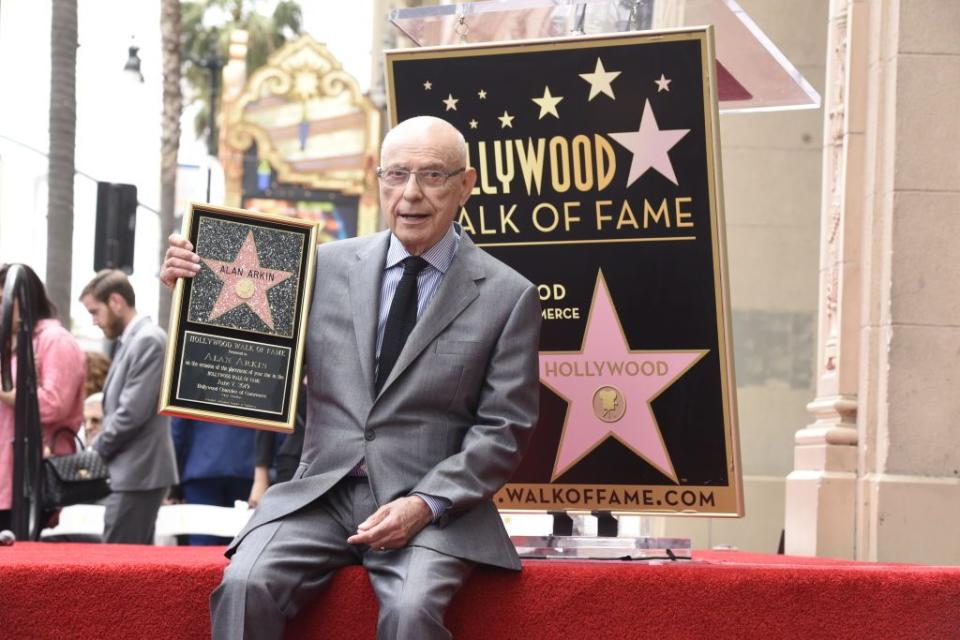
116,226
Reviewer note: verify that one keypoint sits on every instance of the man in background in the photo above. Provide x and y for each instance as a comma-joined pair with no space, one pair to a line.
216,466
135,441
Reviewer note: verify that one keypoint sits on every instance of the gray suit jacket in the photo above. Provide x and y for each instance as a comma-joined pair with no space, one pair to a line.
135,441
456,412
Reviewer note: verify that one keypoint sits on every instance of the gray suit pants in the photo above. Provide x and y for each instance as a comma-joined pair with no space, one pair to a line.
131,516
283,565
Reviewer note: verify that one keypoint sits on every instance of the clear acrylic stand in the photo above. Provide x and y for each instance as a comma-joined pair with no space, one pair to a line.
597,536
753,75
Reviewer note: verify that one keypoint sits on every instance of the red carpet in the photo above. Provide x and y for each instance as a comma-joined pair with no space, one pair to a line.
52,590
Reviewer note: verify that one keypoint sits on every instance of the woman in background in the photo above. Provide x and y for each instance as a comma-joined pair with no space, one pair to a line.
98,365
60,376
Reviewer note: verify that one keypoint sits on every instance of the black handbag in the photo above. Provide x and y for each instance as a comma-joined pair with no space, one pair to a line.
76,478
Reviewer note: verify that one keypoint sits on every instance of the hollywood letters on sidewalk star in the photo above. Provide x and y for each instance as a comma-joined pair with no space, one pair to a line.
599,180
237,328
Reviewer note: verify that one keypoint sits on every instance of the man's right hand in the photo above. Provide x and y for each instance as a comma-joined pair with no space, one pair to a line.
180,261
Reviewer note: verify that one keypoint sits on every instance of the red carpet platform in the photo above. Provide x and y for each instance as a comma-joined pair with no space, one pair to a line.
50,590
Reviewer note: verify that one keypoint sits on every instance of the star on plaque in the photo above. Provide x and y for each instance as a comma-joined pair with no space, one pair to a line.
663,84
506,120
548,104
600,81
608,389
649,146
427,85
451,102
245,282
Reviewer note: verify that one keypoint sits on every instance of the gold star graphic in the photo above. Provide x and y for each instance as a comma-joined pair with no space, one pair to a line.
506,120
473,124
548,103
451,102
600,81
482,94
663,84
427,85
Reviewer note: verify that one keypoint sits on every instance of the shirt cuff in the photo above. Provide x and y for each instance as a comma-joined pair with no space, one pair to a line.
438,506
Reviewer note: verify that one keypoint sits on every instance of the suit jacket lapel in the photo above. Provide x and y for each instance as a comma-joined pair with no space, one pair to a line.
457,290
364,295
119,355
110,374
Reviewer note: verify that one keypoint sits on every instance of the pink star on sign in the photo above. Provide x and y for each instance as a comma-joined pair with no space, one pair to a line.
649,146
245,282
609,388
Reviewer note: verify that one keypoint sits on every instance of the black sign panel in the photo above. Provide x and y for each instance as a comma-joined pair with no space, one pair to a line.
599,181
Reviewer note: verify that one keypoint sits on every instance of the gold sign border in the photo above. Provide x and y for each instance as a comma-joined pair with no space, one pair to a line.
732,503
166,403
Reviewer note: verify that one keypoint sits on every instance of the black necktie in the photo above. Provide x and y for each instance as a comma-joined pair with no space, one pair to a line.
402,317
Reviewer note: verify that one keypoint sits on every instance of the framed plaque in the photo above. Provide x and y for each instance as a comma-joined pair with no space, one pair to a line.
237,329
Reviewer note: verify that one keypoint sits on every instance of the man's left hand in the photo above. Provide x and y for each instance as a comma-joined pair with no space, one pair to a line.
392,525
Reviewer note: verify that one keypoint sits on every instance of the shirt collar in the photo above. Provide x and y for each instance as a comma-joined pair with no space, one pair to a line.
128,330
439,256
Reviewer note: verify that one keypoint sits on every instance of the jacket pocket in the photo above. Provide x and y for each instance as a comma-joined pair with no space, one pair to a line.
459,347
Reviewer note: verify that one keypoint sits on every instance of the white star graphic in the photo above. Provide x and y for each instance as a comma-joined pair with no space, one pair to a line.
649,146
663,84
451,102
427,85
473,124
548,103
506,120
604,342
600,81
482,94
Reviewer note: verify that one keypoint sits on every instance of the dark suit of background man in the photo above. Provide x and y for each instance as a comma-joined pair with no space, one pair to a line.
397,474
135,442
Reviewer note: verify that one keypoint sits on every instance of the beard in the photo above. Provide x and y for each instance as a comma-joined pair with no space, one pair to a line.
114,326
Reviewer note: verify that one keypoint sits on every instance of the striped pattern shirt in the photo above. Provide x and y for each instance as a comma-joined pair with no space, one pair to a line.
439,257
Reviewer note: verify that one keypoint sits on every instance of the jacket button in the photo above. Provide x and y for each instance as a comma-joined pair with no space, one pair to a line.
370,435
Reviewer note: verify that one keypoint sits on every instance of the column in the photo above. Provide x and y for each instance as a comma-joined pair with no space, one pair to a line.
909,455
821,489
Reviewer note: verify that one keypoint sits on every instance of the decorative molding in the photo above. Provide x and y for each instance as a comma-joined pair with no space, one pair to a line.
309,120
836,169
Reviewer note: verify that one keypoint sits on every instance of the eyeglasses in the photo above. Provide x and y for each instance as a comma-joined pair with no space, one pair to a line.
427,178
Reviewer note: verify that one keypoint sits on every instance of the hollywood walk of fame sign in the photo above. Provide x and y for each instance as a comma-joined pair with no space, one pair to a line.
599,180
237,328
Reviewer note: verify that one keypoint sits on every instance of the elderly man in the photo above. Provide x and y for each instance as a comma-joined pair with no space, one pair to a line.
92,417
423,392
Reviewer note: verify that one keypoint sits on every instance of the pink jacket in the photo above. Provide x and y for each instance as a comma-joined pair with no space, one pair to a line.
61,369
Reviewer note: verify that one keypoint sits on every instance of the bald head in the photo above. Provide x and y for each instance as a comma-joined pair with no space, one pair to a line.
441,134
420,215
